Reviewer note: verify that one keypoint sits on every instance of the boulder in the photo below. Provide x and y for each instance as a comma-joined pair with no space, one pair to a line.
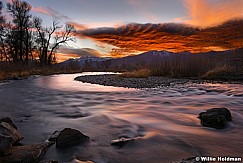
8,136
9,121
25,154
215,118
69,137
7,130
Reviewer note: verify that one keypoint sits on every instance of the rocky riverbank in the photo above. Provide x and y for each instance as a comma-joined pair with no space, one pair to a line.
150,82
117,81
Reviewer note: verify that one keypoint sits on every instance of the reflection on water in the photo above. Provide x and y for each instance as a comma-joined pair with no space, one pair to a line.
163,121
66,82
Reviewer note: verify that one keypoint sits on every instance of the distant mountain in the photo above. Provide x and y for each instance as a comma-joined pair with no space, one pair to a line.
140,60
84,60
155,58
143,58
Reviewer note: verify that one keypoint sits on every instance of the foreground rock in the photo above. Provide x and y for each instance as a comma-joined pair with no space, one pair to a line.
69,137
10,153
7,130
25,154
8,135
9,121
215,118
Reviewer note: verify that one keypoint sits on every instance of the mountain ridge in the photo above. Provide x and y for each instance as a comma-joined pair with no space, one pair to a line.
233,59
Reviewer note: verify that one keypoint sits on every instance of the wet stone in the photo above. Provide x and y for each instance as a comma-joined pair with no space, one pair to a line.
7,130
9,135
25,154
215,118
9,121
70,137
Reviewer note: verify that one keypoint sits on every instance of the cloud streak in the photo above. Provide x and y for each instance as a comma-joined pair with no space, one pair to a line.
133,38
207,13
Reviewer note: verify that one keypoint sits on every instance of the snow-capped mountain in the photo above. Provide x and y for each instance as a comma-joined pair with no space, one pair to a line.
84,60
158,53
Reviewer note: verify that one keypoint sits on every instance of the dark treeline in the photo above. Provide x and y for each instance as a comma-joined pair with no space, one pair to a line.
226,65
24,40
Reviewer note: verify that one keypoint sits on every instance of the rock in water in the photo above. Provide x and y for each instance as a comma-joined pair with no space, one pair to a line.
25,154
8,136
70,137
215,118
9,121
8,130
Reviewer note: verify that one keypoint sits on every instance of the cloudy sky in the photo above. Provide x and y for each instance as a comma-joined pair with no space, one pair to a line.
120,27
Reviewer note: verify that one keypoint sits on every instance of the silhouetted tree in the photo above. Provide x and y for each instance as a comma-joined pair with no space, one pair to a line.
2,34
61,37
20,33
44,36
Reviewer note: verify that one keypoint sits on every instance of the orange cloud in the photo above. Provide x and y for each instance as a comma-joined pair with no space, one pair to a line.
133,38
61,57
207,13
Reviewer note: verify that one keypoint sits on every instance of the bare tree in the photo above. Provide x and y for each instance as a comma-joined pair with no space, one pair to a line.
21,33
2,34
45,35
61,38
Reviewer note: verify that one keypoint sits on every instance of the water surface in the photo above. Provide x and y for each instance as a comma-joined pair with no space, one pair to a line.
163,120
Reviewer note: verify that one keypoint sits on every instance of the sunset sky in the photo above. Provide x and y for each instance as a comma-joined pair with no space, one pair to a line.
120,27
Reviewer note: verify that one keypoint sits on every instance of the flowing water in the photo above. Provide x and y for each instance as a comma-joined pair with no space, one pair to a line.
163,120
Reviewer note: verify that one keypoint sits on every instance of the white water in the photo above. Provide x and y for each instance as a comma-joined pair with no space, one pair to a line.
163,120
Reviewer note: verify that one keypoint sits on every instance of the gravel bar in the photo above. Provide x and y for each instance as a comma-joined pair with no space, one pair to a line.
117,81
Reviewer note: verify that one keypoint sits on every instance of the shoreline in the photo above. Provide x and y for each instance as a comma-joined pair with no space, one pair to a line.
140,83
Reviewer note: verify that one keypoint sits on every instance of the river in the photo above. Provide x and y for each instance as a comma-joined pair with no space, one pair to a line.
164,120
